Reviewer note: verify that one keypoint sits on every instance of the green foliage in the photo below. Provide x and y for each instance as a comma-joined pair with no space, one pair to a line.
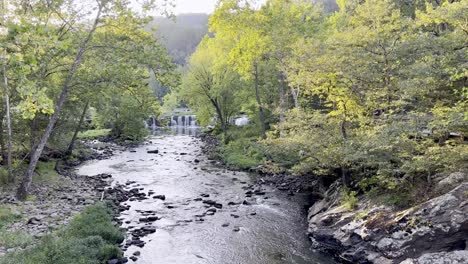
95,221
349,199
3,175
46,173
14,239
94,133
90,238
242,154
242,150
8,215
377,90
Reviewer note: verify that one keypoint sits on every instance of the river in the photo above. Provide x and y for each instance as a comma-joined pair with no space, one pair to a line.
266,229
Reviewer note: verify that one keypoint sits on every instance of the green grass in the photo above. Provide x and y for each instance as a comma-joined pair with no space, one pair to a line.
8,215
46,173
14,239
90,238
3,176
241,154
94,134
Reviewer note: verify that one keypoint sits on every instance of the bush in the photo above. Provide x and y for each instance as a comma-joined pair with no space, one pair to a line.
95,221
14,239
90,238
94,133
3,176
242,154
46,173
8,215
350,200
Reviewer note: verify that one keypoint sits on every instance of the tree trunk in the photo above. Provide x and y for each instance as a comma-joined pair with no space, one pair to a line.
345,177
259,102
7,104
8,118
295,94
77,130
23,189
33,135
2,142
221,118
282,102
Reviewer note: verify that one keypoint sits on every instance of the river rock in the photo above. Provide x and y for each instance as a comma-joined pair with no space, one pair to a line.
451,181
453,257
431,231
160,197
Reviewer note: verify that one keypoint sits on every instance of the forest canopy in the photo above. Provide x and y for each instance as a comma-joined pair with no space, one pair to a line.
374,92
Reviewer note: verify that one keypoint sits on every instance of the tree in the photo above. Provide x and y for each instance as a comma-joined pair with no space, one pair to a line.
111,18
7,103
210,86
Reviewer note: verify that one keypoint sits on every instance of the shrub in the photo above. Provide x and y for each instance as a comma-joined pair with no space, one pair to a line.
8,215
14,239
94,133
90,238
242,154
95,221
349,200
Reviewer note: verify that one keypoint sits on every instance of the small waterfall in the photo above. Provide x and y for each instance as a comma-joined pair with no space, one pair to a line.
153,123
179,121
183,121
173,121
242,121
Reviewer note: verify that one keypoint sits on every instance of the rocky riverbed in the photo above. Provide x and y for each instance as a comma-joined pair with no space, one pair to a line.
53,204
180,207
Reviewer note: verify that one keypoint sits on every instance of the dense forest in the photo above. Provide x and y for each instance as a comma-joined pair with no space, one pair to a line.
357,110
64,65
374,94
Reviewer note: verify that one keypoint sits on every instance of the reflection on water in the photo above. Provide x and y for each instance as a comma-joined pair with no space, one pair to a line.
176,130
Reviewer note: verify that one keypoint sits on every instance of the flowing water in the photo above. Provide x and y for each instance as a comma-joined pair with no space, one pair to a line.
269,230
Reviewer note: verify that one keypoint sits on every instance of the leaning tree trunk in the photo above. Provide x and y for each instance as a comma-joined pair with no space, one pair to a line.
77,130
259,102
23,189
221,118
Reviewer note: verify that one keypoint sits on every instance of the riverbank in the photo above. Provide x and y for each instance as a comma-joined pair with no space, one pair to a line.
357,229
54,201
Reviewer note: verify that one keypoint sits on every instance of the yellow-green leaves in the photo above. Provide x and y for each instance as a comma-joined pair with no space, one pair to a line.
33,103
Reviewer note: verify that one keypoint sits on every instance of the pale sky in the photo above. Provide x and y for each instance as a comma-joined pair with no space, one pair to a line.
197,6
194,6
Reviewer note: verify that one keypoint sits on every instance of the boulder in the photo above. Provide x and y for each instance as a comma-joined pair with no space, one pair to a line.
453,257
379,234
451,181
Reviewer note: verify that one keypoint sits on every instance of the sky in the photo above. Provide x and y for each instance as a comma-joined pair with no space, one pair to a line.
194,6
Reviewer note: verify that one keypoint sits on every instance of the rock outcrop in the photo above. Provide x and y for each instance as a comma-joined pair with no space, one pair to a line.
433,232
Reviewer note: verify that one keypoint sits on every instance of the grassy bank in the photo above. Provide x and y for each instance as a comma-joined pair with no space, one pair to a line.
94,133
90,238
